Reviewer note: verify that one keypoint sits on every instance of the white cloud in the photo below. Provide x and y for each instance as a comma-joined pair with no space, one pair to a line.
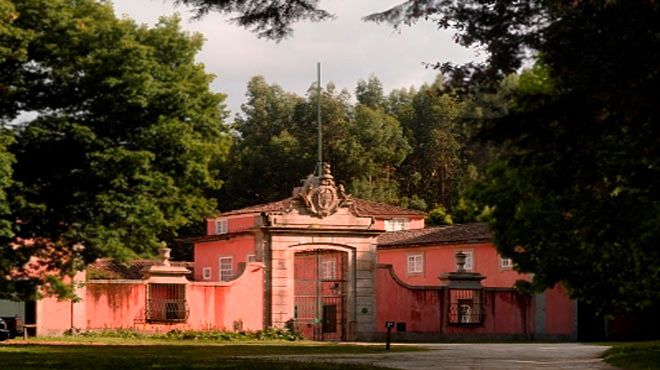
347,47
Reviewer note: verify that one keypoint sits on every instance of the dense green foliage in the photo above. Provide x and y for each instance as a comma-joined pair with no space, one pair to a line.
223,336
409,147
270,19
123,142
6,161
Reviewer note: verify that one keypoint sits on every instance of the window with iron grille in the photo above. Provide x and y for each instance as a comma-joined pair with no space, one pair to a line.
226,268
506,263
166,303
466,306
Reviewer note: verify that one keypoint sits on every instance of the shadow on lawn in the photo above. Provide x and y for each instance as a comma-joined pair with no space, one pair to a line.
169,357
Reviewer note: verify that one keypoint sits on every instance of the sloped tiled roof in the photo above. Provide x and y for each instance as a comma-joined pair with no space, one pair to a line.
464,233
360,207
106,268
280,205
368,208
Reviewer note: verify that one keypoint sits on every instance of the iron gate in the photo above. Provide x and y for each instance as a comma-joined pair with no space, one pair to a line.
320,294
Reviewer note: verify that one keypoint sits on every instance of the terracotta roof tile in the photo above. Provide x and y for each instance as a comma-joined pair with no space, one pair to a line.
106,268
280,205
368,208
360,207
464,233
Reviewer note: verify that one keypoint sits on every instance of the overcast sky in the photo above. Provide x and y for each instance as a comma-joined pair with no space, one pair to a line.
348,48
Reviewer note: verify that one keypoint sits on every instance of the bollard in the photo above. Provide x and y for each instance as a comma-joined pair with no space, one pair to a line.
389,325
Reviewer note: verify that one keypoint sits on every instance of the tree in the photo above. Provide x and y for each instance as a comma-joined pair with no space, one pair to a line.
370,93
430,118
6,161
266,146
438,216
13,52
270,19
125,145
374,146
575,190
276,138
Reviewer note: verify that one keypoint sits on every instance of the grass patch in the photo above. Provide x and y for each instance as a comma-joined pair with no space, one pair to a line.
634,355
152,357
76,356
120,351
227,348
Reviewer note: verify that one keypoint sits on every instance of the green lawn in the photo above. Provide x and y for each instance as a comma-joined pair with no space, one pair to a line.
634,355
118,353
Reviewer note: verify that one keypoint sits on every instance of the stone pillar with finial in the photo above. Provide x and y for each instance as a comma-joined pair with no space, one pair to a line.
464,300
163,271
461,277
460,261
164,254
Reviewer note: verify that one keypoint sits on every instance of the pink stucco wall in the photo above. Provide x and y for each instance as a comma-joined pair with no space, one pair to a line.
57,315
53,316
207,254
560,312
235,224
113,304
423,308
243,300
441,258
419,308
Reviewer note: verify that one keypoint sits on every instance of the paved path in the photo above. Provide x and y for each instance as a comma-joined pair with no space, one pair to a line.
514,356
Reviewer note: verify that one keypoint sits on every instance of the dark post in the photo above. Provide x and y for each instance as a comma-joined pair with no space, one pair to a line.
389,325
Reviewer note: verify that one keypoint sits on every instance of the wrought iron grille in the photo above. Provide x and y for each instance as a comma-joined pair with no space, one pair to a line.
166,303
466,306
320,290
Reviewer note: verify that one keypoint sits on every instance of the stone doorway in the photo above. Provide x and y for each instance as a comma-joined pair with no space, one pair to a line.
320,285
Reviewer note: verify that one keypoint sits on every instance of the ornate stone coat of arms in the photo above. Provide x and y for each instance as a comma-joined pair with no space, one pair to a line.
320,195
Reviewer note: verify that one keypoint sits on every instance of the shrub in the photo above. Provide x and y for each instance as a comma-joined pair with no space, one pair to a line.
177,334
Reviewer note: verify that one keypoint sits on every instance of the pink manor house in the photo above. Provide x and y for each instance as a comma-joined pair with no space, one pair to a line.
331,266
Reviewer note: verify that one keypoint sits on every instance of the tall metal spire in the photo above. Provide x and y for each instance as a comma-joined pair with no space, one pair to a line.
319,165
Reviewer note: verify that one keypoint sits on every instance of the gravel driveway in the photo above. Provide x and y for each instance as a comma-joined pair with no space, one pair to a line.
514,356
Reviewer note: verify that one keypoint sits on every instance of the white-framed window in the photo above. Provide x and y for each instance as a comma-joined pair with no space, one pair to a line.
226,268
396,224
506,263
206,273
328,269
415,263
220,227
469,260
251,258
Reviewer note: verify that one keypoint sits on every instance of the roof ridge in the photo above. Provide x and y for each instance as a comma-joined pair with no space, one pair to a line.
360,207
437,234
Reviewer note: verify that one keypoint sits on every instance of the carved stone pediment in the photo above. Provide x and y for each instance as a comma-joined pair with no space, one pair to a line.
319,194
